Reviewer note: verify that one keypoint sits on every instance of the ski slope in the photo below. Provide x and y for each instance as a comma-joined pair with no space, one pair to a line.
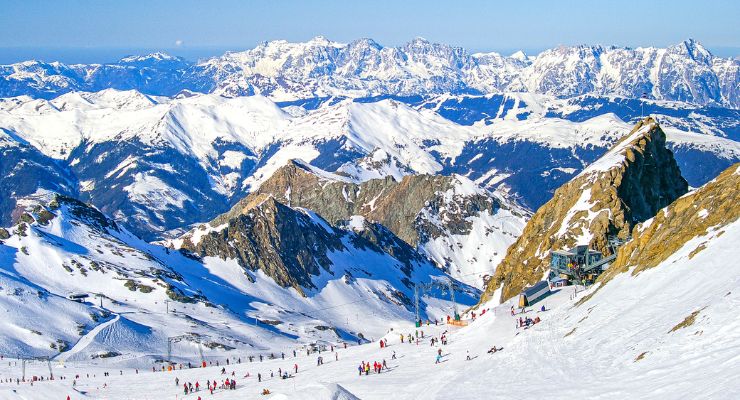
624,341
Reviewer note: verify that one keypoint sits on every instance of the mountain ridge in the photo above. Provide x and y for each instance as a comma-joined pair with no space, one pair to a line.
636,178
362,68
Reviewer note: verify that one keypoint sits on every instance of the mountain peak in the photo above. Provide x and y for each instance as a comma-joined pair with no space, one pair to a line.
519,55
693,49
152,57
629,184
323,42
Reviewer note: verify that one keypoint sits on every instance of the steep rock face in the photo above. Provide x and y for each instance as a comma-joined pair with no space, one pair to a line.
293,246
698,216
394,204
628,185
270,236
464,229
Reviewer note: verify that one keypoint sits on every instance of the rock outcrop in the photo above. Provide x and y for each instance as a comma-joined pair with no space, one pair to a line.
292,246
701,214
635,179
396,205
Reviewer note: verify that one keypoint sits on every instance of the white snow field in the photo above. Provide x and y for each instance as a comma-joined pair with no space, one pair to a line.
623,342
228,308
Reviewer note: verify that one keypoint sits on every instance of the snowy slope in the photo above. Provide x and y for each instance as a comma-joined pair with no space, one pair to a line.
623,342
65,247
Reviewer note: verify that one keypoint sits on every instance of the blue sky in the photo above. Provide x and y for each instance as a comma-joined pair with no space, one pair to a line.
104,30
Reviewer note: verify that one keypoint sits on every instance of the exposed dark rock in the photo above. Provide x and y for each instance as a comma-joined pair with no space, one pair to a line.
595,205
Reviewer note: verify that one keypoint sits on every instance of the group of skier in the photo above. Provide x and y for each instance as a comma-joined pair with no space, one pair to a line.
211,386
378,367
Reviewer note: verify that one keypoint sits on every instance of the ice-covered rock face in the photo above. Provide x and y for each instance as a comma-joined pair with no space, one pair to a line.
629,184
320,67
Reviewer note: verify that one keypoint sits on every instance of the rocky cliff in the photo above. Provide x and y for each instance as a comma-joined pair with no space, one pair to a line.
394,204
637,177
699,216
461,227
294,245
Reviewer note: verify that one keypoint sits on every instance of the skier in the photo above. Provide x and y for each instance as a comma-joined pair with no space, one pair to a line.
295,367
468,355
394,355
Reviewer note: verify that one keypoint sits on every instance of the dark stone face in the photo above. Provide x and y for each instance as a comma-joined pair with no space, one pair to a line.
291,248
652,182
24,170
619,197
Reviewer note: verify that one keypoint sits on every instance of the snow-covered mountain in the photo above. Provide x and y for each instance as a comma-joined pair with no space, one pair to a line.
463,228
319,67
662,325
141,294
158,164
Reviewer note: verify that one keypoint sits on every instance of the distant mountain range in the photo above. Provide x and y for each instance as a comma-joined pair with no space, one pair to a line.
284,71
